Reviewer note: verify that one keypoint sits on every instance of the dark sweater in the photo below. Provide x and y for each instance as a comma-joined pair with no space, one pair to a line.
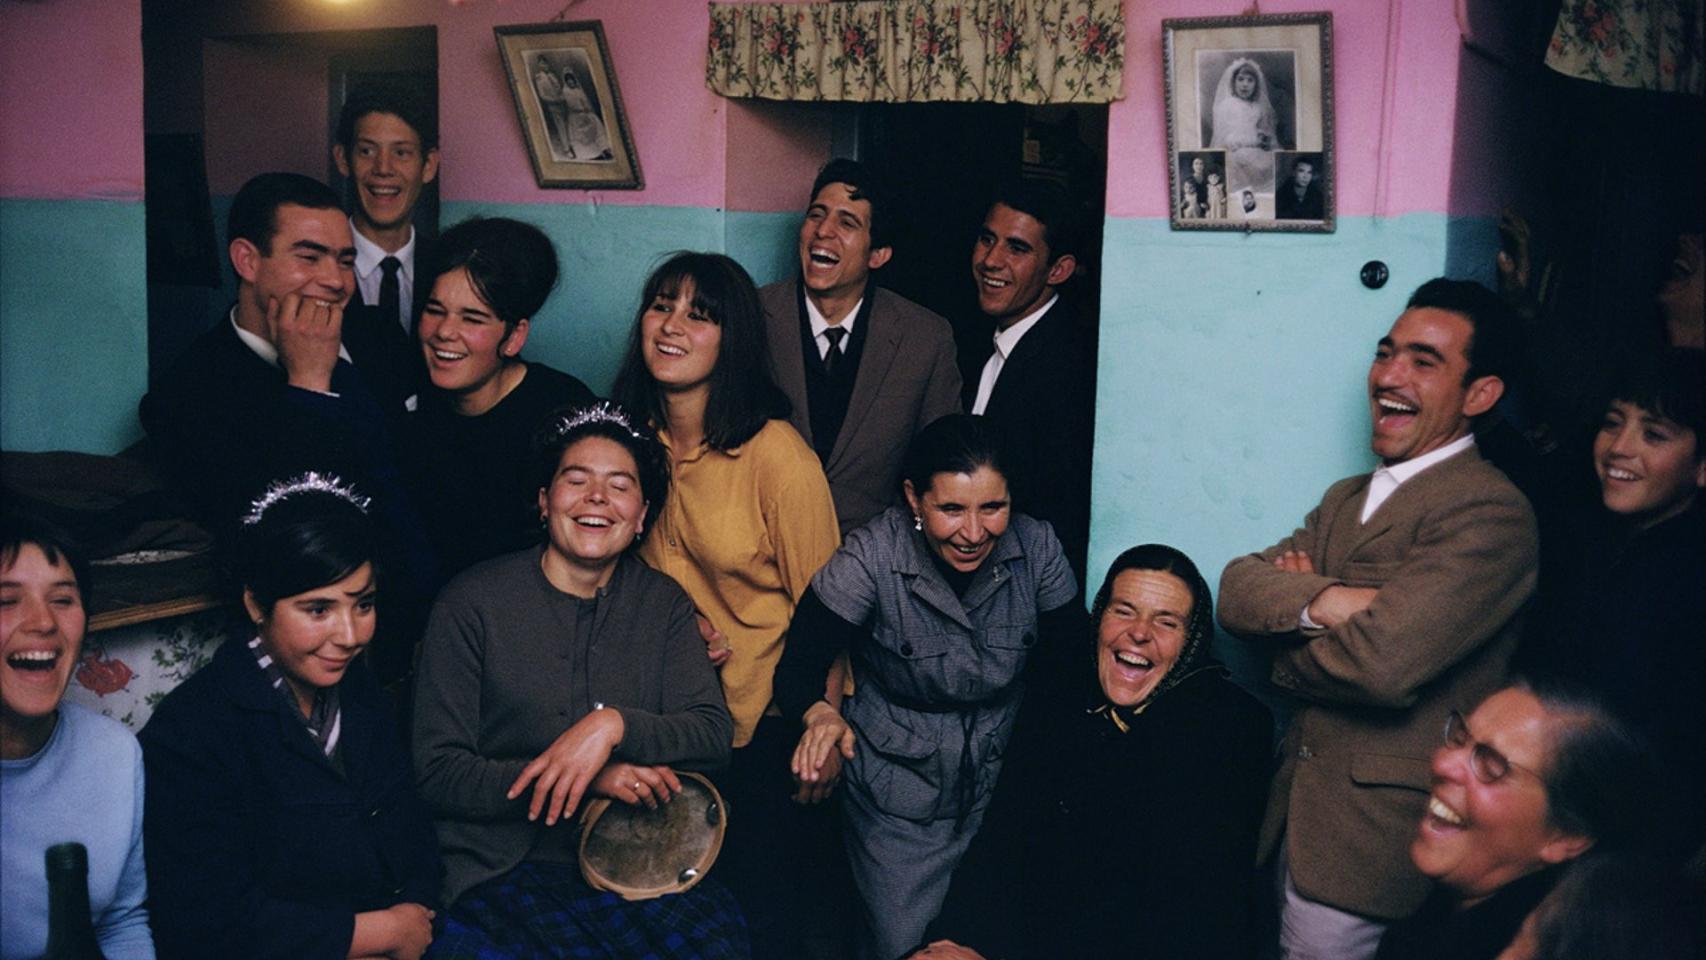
1103,844
502,676
257,844
473,478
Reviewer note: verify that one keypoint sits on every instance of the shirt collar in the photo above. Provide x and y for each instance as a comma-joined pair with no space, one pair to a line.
1401,472
819,324
263,348
1006,340
368,254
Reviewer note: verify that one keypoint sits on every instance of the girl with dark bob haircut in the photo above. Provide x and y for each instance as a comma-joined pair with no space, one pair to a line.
70,774
282,818
749,521
743,397
468,445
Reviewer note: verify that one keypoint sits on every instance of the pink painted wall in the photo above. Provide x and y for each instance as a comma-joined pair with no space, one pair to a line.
71,133
268,101
659,52
1402,165
774,152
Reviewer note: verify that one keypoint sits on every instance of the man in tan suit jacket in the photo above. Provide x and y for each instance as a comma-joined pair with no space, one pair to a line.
1396,602
864,368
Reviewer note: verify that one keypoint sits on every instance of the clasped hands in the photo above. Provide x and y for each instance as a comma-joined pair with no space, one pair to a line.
1333,605
578,763
816,764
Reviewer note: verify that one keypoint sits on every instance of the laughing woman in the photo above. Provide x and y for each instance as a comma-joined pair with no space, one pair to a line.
66,774
556,674
750,520
940,604
282,820
468,443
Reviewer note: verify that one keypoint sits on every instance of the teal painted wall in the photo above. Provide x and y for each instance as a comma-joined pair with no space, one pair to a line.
73,330
1231,372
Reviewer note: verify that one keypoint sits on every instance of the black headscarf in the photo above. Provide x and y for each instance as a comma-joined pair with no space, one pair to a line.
1193,658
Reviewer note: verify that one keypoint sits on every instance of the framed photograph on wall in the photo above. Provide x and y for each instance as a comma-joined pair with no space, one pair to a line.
569,105
1250,122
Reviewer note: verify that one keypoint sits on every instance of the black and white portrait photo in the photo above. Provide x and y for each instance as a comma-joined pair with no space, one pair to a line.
569,105
1299,194
1202,185
562,80
1249,104
1248,108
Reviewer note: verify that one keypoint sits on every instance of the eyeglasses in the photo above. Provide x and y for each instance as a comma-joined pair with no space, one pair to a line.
1488,764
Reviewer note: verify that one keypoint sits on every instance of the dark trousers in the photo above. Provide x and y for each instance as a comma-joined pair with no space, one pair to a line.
782,860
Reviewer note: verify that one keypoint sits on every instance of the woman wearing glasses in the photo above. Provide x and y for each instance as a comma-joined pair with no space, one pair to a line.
1540,778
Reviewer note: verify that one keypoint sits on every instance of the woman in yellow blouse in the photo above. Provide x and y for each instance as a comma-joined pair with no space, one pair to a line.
748,523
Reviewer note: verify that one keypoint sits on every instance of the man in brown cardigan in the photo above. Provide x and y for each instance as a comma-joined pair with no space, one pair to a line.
1395,603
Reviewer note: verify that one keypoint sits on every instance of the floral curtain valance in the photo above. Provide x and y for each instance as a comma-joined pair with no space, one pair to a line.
909,51
1643,44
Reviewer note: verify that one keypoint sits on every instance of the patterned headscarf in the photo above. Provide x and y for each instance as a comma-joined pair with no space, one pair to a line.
1194,656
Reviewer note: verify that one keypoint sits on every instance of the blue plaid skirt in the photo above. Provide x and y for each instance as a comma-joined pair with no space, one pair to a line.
546,911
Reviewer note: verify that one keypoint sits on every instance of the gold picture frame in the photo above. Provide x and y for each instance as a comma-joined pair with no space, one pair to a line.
569,105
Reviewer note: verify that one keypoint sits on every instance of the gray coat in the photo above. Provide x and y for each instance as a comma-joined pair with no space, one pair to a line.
938,685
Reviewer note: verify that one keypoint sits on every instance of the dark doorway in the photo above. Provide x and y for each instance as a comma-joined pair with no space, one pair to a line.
946,159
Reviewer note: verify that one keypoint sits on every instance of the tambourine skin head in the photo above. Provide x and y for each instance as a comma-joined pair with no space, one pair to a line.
639,854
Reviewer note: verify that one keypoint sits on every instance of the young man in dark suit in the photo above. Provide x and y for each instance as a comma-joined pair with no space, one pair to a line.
271,391
388,148
1037,378
1396,603
865,368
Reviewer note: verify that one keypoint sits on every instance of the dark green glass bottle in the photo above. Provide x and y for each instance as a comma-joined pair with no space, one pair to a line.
70,928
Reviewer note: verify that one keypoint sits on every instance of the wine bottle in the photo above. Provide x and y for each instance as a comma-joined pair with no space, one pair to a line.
70,928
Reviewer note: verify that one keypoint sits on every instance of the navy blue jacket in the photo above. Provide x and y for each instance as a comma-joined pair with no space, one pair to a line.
258,846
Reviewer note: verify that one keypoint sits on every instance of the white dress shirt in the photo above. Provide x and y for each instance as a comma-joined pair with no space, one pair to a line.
1005,341
367,273
819,325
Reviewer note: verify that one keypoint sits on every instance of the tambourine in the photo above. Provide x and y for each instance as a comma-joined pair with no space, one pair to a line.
639,854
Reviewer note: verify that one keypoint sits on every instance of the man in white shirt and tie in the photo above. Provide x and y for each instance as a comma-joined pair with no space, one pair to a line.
1394,604
864,367
1038,379
388,148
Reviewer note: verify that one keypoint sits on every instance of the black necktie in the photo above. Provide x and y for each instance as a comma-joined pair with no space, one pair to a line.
833,357
390,301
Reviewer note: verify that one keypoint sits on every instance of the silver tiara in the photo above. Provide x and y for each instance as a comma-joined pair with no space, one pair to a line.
310,482
601,412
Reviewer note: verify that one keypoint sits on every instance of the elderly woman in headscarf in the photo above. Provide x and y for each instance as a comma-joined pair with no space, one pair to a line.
1244,126
1125,819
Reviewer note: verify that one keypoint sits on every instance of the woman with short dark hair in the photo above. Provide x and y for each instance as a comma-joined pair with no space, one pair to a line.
468,441
67,774
939,604
282,818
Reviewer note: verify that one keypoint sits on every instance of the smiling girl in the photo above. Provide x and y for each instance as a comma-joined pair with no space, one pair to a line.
749,521
282,819
468,443
66,774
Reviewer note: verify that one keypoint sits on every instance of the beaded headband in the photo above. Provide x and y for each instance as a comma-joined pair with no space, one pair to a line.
310,482
601,412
